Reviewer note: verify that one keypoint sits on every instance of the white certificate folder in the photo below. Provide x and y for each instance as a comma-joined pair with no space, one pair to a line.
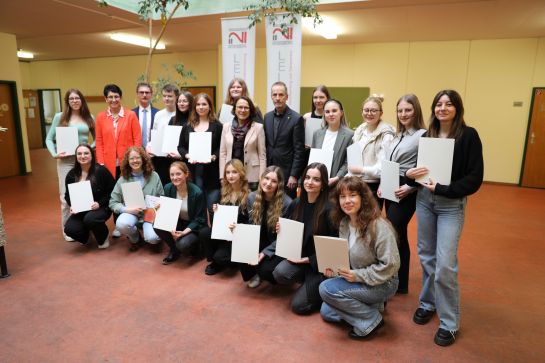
224,216
200,146
436,155
81,196
245,248
289,240
67,140
332,253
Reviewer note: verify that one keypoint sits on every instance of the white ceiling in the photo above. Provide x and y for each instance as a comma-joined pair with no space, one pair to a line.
68,29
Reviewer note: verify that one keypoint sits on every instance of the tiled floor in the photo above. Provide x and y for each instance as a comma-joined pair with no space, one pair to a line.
68,303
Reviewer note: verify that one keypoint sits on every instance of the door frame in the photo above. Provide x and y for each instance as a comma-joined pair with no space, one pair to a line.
528,134
18,130
41,109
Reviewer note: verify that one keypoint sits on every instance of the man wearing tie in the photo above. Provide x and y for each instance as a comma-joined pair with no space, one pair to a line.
285,135
145,111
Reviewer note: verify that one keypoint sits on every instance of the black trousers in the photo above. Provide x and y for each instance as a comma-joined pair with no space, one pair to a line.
218,251
161,165
185,244
264,269
400,214
79,225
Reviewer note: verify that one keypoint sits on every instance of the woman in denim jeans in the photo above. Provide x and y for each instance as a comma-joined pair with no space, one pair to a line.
358,294
440,212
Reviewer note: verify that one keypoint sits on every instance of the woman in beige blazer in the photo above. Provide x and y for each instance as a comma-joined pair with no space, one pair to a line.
244,139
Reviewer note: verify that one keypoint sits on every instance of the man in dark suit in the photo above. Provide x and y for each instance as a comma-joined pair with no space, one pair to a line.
145,111
285,135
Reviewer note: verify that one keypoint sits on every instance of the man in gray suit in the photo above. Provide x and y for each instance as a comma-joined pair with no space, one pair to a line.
285,135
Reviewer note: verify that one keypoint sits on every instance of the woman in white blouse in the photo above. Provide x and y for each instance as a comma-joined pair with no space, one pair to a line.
374,137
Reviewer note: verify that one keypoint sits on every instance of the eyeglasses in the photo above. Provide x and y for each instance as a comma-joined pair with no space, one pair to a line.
372,111
74,99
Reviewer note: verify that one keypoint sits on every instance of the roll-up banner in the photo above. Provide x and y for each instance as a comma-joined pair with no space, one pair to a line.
238,51
284,60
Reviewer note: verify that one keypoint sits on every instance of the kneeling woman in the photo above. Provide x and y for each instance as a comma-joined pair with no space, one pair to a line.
79,225
265,206
358,293
192,215
312,209
234,192
136,167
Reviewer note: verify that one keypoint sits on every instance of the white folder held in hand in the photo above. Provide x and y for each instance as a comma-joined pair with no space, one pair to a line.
224,216
289,241
245,248
200,146
81,196
435,154
67,139
133,195
332,253
168,213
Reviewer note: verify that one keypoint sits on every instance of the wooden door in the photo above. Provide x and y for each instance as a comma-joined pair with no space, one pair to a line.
33,121
533,174
8,134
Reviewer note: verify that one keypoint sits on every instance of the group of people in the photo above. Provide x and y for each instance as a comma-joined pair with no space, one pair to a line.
257,163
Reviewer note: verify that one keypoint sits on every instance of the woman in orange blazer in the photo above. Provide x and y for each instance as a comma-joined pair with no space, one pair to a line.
117,129
244,139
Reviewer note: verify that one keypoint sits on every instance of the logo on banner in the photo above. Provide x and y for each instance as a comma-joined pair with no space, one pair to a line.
237,38
282,38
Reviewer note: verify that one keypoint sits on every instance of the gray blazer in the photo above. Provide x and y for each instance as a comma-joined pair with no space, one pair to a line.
339,166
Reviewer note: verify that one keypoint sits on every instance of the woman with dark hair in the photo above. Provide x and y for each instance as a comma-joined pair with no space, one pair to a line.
192,215
205,175
80,225
76,114
136,167
358,293
311,208
320,95
238,88
335,135
374,136
184,105
440,211
265,206
244,139
403,150
234,192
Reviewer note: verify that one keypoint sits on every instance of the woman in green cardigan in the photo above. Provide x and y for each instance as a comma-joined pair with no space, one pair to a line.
192,214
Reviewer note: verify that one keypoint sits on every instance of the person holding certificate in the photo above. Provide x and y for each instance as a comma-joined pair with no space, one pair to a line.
440,210
265,207
311,208
374,137
237,88
192,214
234,192
76,114
356,294
80,225
244,139
205,174
334,136
184,106
136,167
403,150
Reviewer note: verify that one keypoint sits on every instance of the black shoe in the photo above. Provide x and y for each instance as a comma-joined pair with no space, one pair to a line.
352,334
402,290
422,316
213,268
444,337
172,256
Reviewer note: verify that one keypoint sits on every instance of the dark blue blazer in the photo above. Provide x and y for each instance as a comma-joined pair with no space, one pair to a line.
153,112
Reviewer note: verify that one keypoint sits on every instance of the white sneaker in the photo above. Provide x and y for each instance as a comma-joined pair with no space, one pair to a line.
254,282
68,238
116,233
106,244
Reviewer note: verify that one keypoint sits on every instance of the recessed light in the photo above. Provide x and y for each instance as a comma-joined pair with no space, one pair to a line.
25,55
136,40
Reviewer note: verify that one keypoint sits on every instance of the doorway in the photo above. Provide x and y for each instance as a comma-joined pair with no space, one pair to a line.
11,140
533,171
50,103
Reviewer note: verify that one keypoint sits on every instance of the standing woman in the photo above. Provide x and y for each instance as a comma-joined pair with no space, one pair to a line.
358,293
374,136
205,175
79,225
265,207
334,136
192,214
76,114
404,150
184,105
136,167
311,208
244,139
234,192
440,211
320,95
237,88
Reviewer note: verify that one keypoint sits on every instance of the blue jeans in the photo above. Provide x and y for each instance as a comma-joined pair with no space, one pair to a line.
126,223
440,223
356,303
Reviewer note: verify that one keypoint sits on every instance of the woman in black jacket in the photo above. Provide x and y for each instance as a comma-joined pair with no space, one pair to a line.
79,225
